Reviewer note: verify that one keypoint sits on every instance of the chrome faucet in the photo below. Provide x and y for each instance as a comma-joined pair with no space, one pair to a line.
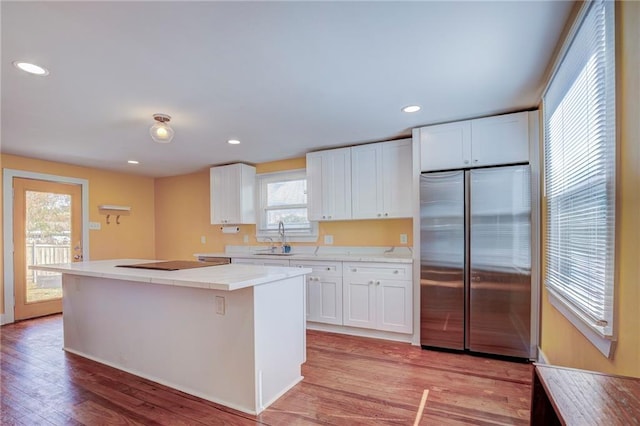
283,239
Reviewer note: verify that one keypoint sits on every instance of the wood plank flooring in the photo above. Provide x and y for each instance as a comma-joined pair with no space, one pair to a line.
348,381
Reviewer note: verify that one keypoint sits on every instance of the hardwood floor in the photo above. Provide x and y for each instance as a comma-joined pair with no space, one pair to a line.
348,381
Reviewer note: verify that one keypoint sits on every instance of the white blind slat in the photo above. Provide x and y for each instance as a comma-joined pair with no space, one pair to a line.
579,158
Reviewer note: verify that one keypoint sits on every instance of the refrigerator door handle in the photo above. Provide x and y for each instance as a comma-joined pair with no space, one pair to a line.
467,257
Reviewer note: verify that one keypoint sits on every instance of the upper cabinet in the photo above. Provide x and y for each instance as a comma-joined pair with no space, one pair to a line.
502,139
381,180
232,194
329,184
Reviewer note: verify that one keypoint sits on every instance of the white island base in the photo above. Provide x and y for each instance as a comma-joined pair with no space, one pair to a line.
241,348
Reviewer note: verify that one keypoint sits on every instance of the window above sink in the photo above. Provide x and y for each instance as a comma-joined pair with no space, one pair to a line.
282,196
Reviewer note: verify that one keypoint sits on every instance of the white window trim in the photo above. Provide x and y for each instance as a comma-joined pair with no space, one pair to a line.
292,235
606,344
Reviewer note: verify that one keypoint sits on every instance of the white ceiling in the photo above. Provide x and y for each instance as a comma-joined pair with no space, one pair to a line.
283,77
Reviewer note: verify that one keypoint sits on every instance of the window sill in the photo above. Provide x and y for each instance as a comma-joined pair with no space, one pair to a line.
606,345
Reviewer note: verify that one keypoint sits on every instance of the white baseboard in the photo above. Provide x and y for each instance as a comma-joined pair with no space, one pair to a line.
542,358
360,332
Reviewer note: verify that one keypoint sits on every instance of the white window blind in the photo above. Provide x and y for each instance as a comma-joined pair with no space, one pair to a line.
579,158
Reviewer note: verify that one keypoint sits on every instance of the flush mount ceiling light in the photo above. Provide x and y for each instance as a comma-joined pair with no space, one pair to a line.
411,108
161,132
233,141
31,68
133,162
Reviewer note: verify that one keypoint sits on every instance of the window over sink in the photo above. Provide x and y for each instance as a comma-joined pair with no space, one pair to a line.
282,196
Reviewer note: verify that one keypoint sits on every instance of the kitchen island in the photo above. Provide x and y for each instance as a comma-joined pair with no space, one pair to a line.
231,334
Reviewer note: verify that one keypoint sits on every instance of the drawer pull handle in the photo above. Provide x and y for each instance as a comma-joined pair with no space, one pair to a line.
354,270
396,272
328,269
377,282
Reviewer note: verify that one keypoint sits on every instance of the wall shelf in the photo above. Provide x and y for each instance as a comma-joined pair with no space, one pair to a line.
113,207
110,209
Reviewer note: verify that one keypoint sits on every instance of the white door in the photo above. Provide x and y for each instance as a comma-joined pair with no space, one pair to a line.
367,180
315,193
47,228
336,188
359,297
397,179
503,139
394,305
445,146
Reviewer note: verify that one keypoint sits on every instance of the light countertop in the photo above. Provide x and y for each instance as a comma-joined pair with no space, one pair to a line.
334,254
221,277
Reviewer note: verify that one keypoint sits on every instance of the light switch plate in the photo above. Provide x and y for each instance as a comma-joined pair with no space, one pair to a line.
403,238
328,239
94,226
203,239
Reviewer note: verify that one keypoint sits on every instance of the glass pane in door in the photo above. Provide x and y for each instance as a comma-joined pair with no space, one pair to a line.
48,241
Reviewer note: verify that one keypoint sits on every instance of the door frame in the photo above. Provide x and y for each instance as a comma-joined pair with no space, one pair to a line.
7,196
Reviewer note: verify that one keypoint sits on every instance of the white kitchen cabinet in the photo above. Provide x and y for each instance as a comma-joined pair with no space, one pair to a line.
445,146
232,190
489,141
381,180
503,139
329,185
263,262
324,291
378,296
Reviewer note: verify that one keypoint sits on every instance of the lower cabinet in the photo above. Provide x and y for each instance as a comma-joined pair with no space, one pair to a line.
324,291
371,295
378,296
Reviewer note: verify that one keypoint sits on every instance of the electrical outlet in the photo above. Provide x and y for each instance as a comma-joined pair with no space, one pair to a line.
403,238
328,239
94,226
246,239
220,308
203,239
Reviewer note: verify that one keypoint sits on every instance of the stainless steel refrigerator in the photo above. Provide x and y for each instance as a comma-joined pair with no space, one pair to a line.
475,260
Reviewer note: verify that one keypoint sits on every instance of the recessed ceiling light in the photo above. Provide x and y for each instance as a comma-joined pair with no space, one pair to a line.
31,68
233,141
133,162
411,108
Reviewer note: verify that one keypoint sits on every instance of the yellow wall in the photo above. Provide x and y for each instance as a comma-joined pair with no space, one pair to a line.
561,342
134,237
1,246
182,218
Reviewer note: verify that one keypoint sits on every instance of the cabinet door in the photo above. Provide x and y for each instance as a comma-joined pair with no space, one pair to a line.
219,181
359,302
445,146
503,139
314,186
336,188
232,194
329,184
396,179
393,299
324,299
367,181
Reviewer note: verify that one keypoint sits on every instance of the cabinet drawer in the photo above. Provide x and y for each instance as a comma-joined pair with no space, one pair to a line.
396,271
319,267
